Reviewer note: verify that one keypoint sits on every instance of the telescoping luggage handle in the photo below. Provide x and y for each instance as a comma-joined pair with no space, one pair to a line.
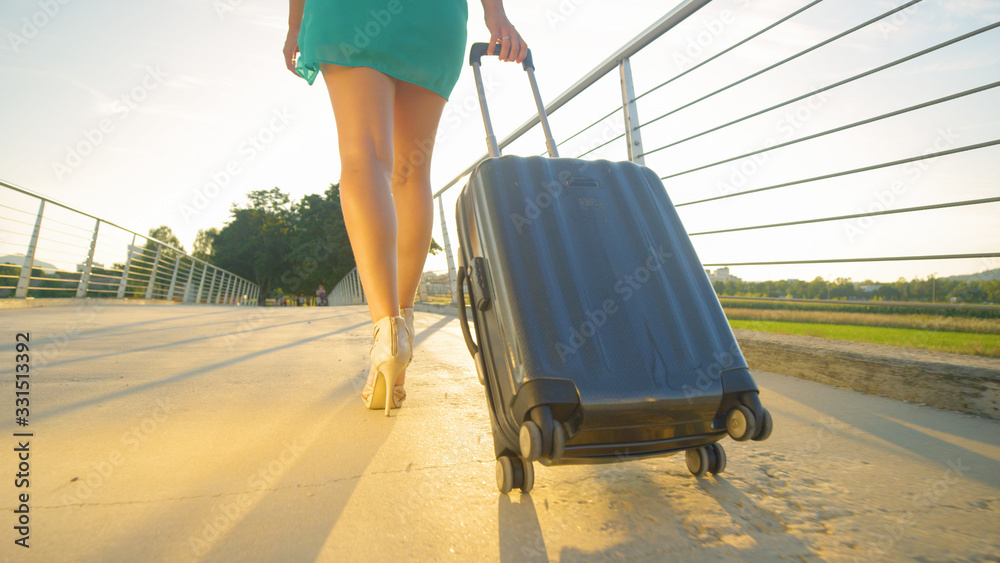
475,59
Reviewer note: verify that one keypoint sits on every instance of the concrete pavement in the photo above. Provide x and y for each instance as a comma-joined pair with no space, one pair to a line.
182,433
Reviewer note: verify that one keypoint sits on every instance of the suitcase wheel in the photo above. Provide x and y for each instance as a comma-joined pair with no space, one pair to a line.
542,437
535,445
558,441
514,472
765,427
531,441
741,424
718,465
697,461
706,459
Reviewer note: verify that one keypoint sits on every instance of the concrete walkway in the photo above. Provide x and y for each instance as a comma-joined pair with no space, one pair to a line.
181,433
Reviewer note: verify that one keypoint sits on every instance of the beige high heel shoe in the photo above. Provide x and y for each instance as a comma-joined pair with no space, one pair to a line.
390,355
399,394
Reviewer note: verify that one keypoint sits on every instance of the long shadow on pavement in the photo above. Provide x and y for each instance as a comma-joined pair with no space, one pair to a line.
896,426
521,536
294,520
188,374
197,339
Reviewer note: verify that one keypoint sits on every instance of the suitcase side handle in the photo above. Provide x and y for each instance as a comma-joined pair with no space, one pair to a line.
462,315
475,59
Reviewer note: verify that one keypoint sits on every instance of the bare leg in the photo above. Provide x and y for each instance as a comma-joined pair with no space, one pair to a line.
362,101
417,114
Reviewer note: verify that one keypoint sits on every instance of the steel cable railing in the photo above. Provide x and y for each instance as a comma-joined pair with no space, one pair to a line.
838,129
156,271
894,119
835,85
852,216
868,259
784,61
678,76
869,168
725,51
348,290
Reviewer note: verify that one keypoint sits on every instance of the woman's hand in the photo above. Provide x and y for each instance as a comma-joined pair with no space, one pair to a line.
291,49
505,41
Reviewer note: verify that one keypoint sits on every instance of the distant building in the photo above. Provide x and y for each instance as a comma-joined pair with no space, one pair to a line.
869,288
722,275
434,283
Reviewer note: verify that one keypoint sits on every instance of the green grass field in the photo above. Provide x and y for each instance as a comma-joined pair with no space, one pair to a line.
942,341
941,329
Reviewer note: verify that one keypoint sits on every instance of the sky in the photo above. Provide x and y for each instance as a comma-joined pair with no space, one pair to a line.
168,112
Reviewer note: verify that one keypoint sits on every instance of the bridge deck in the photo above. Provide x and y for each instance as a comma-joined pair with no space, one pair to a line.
172,433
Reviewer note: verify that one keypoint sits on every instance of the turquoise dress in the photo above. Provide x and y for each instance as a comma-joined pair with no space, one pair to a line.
417,41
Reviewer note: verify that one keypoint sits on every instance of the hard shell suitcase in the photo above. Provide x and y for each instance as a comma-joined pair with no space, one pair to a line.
598,336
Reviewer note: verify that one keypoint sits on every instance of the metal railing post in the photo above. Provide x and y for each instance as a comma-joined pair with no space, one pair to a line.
190,280
29,257
220,298
632,134
201,284
123,284
152,274
222,282
173,278
452,272
360,288
211,286
81,290
231,288
361,292
220,287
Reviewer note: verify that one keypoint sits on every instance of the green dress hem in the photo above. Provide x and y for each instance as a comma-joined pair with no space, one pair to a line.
420,42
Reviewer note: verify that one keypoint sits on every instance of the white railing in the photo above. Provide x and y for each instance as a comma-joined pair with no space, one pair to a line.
700,156
42,236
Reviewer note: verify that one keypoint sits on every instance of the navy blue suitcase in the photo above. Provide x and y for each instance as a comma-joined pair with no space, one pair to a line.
598,335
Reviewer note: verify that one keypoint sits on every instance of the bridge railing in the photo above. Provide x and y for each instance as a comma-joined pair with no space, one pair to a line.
49,249
822,137
348,290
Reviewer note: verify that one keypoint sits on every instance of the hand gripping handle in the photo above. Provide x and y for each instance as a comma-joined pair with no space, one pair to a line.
475,59
480,49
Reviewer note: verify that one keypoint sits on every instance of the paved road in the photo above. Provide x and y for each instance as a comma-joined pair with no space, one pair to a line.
176,433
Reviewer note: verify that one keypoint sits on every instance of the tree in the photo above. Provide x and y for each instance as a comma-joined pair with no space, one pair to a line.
204,244
816,289
435,248
163,233
256,243
320,249
168,256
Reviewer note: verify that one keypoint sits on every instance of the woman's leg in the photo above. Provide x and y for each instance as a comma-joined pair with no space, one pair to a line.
417,114
362,101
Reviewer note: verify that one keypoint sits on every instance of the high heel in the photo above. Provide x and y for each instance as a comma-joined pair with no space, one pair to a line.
389,354
398,392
